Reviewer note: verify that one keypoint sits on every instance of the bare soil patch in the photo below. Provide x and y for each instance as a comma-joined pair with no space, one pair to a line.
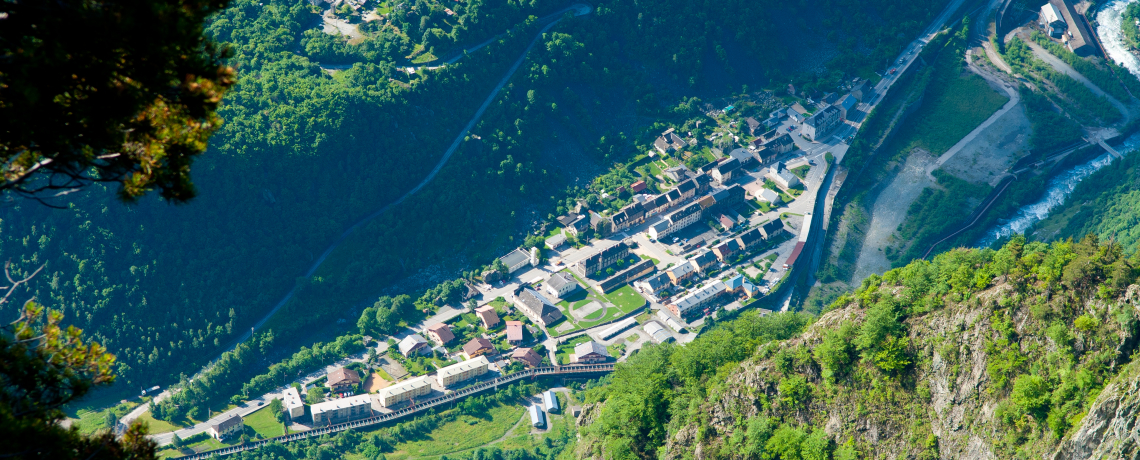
888,213
376,383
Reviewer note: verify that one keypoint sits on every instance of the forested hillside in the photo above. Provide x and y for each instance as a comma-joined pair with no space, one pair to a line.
304,154
1010,353
1106,204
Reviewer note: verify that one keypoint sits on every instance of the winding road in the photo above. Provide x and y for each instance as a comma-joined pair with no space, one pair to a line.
578,9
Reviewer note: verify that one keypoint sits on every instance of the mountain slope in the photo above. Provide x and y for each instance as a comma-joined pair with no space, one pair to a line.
978,354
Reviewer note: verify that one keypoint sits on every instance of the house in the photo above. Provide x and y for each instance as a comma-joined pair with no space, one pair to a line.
681,272
514,332
750,239
537,417
782,177
526,356
637,186
342,380
772,229
567,219
677,142
703,261
600,260
726,222
746,158
753,124
414,344
537,308
740,286
687,189
797,113
659,230
778,113
780,145
550,400
677,173
601,225
589,352
342,410
862,90
692,303
1052,21
404,391
726,249
728,198
770,196
661,145
632,214
561,284
478,347
725,171
654,284
440,333
294,405
456,373
556,240
578,225
228,427
829,98
487,316
847,107
1079,39
516,260
821,124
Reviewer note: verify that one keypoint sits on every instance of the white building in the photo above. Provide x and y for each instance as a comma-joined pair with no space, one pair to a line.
226,428
456,373
617,328
404,391
561,284
342,410
697,299
294,406
516,260
537,417
658,332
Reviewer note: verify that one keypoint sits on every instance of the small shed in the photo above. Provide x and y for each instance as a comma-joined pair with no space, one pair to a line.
537,417
551,402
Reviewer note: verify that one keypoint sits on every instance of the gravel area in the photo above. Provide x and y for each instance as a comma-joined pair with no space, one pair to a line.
994,150
888,212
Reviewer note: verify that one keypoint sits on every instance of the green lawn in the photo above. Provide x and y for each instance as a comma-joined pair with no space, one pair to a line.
565,349
264,423
464,433
560,424
626,299
155,426
655,261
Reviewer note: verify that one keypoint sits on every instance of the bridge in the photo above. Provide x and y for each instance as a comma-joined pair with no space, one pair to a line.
1108,149
542,371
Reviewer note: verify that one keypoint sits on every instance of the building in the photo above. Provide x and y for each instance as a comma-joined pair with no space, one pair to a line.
805,231
617,328
846,107
748,241
294,405
677,173
487,316
662,145
739,286
478,347
669,321
514,332
726,250
746,158
725,171
550,400
516,260
782,177
578,225
862,90
678,220
537,308
829,98
556,240
440,333
725,221
228,427
659,230
797,113
677,142
769,196
404,391
466,370
414,344
341,410
726,199
654,284
342,380
780,145
632,214
694,302
657,332
601,260
1077,36
772,229
638,186
526,356
753,124
1052,21
630,273
590,352
704,261
821,124
537,417
681,272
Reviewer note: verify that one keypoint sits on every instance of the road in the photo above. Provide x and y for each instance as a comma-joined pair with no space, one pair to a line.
1065,68
579,10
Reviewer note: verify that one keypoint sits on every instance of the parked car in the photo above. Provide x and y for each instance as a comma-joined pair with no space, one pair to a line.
893,71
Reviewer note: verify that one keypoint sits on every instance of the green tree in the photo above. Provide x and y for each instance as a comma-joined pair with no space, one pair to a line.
110,420
1031,394
276,408
111,91
367,323
315,395
176,442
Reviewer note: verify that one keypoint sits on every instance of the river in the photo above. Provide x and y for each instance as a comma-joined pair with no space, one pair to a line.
1108,29
1058,190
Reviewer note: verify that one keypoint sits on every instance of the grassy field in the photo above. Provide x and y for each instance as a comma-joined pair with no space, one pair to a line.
156,426
953,107
561,425
622,302
464,433
264,423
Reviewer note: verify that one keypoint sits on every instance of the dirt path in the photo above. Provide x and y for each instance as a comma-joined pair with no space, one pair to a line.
888,213
1064,68
1014,100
